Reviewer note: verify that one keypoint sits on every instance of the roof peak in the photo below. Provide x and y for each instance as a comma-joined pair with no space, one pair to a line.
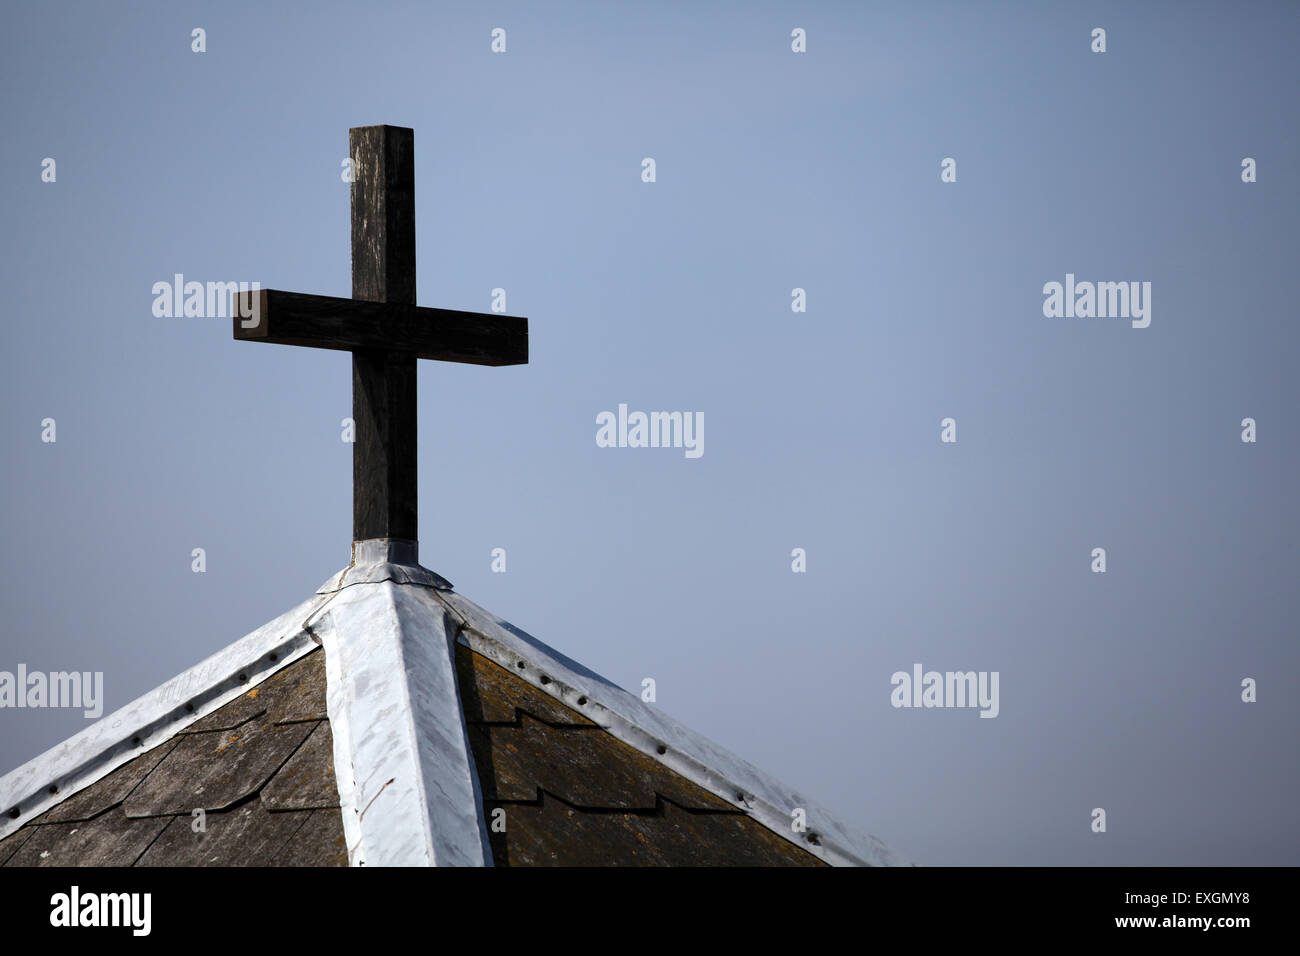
405,772
385,559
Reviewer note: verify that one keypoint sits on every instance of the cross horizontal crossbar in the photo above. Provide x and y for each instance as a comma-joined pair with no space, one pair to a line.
327,322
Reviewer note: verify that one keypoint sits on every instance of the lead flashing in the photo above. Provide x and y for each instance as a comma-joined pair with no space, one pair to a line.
375,560
402,759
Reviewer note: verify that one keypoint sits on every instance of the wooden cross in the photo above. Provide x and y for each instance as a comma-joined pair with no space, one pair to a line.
384,330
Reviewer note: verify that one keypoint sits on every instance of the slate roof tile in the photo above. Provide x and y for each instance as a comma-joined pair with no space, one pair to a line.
584,765
500,695
306,781
109,792
291,694
320,842
247,835
107,840
216,770
140,813
551,832
14,843
575,795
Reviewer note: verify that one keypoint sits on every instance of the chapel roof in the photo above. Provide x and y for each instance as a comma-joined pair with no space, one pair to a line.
388,720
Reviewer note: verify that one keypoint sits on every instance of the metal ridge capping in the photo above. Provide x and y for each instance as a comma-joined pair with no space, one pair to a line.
384,559
404,768
405,774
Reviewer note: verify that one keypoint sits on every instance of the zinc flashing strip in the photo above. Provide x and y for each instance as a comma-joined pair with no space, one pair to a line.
155,717
402,759
695,757
375,560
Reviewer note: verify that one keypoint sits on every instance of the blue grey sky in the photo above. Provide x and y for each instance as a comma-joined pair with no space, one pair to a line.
774,170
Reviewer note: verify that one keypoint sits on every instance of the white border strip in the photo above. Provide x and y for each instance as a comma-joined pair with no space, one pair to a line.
402,758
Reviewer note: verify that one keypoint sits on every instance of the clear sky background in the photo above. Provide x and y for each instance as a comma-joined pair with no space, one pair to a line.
775,170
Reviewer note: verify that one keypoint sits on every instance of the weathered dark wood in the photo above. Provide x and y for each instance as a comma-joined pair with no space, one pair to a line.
385,485
328,322
385,490
383,213
384,330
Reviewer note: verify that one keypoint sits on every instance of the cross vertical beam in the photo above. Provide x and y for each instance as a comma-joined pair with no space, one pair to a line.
384,479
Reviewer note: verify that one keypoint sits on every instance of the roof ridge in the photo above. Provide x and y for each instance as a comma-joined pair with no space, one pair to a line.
390,644
408,787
